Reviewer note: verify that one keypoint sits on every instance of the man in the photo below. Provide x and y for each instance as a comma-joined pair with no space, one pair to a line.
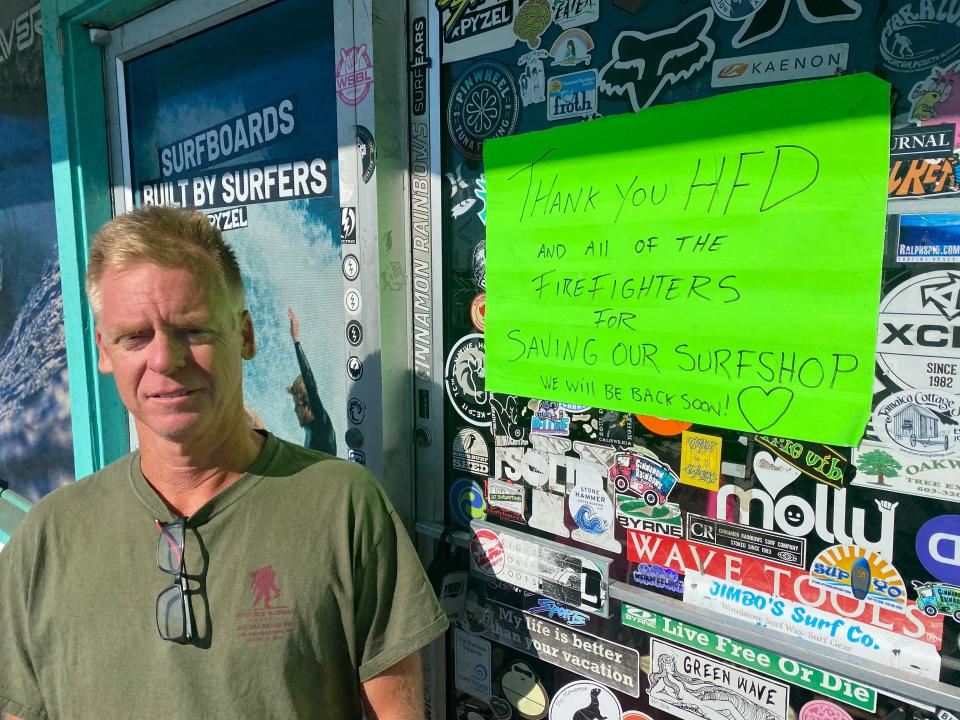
217,572
312,416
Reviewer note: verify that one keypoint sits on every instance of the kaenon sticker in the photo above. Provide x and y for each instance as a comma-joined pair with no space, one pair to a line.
470,452
859,573
918,345
584,700
751,657
916,35
681,682
483,104
572,47
472,664
465,380
923,423
794,64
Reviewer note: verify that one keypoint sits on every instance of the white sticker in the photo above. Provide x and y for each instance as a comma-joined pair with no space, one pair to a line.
584,699
922,423
472,663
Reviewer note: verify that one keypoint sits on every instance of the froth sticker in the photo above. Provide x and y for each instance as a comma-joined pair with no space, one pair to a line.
584,700
859,573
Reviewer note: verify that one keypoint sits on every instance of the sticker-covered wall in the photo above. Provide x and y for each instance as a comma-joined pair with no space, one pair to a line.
816,500
36,442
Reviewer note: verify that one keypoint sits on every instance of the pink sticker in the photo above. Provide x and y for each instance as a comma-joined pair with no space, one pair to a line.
354,74
823,710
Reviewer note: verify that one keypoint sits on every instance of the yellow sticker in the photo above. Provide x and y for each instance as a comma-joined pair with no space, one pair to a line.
700,460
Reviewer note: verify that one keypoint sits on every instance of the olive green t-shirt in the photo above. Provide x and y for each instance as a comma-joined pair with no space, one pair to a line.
303,584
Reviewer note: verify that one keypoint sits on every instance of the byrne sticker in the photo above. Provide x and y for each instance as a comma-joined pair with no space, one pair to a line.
923,423
681,681
859,573
584,699
483,104
918,345
465,378
572,47
796,64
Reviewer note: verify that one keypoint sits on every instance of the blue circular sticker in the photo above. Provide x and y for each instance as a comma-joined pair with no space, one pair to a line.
467,502
938,548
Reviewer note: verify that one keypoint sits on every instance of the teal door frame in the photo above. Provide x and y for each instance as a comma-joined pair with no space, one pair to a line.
73,68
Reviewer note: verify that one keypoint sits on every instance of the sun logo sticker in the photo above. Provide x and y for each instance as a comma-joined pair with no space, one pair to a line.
861,574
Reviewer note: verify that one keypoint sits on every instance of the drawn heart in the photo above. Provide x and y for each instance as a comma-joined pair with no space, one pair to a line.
761,408
773,473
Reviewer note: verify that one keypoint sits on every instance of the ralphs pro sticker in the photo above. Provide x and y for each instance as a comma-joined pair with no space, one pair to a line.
859,573
924,423
918,345
679,678
929,238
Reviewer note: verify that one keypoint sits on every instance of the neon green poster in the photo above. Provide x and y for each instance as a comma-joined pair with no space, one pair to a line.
715,261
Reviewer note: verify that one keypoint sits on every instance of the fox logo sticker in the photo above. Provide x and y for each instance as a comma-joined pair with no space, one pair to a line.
643,64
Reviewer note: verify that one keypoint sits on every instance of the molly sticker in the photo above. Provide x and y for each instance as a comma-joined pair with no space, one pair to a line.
483,104
923,423
598,659
643,64
572,47
465,378
752,657
859,573
692,686
474,27
918,345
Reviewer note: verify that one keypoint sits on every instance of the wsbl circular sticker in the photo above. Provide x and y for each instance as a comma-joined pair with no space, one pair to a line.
465,378
483,104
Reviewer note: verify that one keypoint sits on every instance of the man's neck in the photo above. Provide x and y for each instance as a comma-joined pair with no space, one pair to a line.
187,475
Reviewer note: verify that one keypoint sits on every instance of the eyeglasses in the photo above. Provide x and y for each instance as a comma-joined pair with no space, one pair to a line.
173,607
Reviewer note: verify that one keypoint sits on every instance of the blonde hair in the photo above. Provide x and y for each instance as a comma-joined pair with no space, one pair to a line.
164,235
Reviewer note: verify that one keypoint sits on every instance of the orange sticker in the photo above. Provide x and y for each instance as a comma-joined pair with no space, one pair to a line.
662,426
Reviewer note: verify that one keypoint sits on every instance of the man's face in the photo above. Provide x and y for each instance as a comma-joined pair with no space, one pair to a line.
175,347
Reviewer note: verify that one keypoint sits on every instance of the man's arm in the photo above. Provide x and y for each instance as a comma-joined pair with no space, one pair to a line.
396,693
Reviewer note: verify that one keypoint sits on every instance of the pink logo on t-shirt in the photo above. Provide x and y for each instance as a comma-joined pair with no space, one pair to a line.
263,581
